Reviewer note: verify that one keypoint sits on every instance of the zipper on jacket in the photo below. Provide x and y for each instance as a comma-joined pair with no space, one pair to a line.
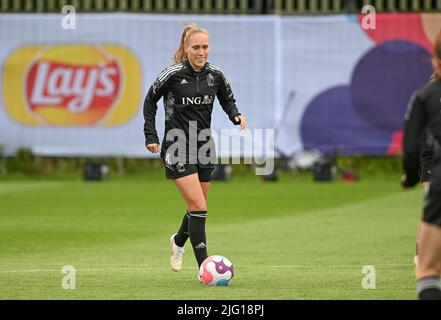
197,84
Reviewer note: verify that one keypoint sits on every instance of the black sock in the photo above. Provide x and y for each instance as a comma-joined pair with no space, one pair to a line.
429,288
182,235
196,228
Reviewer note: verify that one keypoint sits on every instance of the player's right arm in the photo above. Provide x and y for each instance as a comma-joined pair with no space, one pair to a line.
150,107
156,91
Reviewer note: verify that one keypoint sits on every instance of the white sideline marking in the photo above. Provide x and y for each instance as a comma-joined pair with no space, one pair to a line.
165,267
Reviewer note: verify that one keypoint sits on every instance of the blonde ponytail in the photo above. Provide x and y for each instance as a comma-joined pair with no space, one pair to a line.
180,54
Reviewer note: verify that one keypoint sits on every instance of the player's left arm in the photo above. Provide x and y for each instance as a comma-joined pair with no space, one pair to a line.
427,157
228,102
413,128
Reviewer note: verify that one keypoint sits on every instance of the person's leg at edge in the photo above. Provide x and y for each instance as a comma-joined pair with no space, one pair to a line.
429,262
426,186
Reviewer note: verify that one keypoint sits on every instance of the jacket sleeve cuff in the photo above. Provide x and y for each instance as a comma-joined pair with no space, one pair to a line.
233,120
150,140
411,180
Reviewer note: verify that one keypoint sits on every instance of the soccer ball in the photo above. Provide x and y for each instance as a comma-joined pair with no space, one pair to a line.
216,271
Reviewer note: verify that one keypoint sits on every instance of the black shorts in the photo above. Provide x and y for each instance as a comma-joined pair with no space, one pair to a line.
179,170
176,168
432,208
432,203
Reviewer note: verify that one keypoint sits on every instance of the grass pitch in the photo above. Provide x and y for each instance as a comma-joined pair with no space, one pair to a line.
294,239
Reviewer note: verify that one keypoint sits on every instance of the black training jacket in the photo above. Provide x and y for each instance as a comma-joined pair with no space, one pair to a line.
427,156
187,96
423,117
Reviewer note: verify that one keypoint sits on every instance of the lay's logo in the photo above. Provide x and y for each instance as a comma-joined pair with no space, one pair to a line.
72,85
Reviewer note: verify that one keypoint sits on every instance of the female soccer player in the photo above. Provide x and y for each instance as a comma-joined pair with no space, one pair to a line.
425,114
189,87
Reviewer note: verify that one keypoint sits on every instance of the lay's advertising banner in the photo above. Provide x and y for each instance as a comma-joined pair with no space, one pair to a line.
71,85
323,82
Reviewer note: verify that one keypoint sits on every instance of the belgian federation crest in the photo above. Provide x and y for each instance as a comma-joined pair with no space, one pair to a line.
210,80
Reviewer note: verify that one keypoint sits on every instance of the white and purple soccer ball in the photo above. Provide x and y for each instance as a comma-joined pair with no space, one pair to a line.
216,271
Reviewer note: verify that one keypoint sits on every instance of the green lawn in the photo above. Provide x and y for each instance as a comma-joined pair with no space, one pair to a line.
293,239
